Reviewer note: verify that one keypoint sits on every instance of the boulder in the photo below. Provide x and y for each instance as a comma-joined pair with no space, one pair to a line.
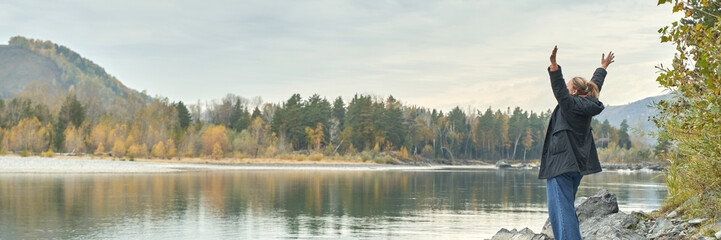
601,204
615,226
524,234
661,227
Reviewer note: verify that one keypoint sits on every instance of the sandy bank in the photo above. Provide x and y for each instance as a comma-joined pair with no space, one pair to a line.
14,164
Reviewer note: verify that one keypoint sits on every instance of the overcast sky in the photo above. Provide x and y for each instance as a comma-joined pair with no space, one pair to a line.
437,54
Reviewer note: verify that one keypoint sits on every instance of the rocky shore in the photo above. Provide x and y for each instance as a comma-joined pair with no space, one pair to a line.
600,219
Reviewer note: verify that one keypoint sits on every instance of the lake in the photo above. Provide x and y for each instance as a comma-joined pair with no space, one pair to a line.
298,204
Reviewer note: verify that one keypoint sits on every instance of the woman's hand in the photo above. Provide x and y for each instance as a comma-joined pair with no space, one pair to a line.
554,66
605,61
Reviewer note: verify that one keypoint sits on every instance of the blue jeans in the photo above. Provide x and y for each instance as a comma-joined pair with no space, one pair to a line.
561,193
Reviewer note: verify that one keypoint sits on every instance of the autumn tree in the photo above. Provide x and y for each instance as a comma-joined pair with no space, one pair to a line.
691,118
158,150
527,142
73,139
316,137
214,135
171,150
29,135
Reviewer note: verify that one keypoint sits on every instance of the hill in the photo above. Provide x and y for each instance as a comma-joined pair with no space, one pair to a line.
45,72
636,114
19,67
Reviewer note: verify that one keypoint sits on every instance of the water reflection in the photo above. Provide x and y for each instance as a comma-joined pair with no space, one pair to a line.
295,204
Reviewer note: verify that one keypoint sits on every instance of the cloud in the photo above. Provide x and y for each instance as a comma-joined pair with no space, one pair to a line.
431,53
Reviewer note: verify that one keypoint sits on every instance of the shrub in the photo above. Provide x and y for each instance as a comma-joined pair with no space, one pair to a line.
428,151
285,156
300,157
366,156
3,151
403,153
158,150
100,149
690,119
238,155
217,151
25,153
270,151
49,153
316,157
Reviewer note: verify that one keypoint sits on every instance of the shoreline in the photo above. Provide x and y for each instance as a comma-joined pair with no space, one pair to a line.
34,164
80,164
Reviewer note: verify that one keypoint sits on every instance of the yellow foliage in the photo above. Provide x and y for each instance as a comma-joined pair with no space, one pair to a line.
49,153
350,150
428,151
316,157
404,152
98,135
315,137
158,150
188,153
172,151
130,140
137,150
217,151
214,135
118,148
73,140
100,149
238,155
29,135
270,151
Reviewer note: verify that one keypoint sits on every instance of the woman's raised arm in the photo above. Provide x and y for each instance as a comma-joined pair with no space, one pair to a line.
554,65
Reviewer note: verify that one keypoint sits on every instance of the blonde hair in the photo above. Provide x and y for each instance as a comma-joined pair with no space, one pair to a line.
585,87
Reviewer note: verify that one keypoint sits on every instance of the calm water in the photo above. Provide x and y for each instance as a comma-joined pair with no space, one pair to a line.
256,204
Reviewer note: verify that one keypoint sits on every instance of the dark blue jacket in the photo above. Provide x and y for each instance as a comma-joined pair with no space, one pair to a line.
569,145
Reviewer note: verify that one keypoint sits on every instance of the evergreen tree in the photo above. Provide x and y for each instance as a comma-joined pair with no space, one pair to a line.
256,113
392,123
624,141
183,115
71,112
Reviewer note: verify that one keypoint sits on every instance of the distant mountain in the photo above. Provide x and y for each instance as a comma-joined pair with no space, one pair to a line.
636,114
45,72
19,67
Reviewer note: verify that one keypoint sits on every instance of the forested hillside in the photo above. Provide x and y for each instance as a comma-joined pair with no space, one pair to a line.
44,72
635,113
20,67
96,114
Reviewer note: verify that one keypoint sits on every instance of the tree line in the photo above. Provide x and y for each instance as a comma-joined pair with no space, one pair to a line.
90,111
237,127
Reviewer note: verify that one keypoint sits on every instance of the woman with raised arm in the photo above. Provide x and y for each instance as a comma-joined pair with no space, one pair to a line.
569,151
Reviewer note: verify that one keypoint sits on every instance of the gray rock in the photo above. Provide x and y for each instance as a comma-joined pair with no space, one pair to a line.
662,226
601,204
706,238
715,227
718,235
640,215
547,229
672,214
696,221
615,226
524,234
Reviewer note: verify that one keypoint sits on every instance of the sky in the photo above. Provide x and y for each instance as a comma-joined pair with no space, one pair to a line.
436,54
